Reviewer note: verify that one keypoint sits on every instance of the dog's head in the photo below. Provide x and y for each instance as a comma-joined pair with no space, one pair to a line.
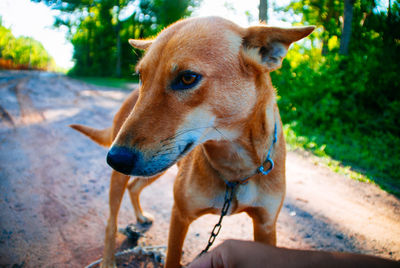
201,79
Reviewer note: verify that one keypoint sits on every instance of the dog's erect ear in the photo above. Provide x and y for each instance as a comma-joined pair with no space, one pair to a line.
140,44
268,45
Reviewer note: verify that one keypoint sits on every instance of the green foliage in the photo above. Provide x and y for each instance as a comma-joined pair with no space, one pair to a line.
100,37
169,11
348,108
94,42
6,40
325,13
23,51
328,16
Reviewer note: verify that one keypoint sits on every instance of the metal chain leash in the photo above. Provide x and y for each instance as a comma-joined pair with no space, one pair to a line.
229,194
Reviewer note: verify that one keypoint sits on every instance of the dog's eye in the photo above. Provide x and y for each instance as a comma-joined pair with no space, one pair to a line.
188,79
185,80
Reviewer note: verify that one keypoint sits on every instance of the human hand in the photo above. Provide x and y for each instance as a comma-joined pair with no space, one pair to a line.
237,253
246,254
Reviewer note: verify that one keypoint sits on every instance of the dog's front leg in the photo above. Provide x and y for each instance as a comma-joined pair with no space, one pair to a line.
177,231
135,188
263,225
117,187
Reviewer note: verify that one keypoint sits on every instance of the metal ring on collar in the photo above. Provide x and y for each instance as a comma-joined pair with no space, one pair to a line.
265,172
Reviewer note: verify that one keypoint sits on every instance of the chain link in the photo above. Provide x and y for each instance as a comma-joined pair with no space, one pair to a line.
229,194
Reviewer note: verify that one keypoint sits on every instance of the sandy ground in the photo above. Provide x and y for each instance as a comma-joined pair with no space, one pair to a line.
54,187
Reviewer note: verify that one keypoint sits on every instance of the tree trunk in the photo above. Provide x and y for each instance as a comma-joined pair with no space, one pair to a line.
263,11
118,67
346,32
325,48
118,33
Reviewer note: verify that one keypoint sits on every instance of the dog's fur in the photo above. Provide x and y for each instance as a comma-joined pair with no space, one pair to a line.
220,129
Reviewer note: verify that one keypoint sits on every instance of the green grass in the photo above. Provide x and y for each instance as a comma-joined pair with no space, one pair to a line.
122,83
357,156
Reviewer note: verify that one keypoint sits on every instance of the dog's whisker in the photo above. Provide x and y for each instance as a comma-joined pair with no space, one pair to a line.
162,153
184,132
216,129
177,141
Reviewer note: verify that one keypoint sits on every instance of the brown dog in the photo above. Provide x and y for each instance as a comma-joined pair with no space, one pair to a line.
206,101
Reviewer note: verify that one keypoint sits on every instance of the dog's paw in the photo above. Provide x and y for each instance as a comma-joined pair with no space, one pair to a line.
105,264
145,218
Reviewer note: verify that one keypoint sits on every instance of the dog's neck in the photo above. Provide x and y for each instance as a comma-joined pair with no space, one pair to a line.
237,159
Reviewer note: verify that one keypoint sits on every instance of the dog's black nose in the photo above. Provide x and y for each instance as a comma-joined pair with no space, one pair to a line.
122,159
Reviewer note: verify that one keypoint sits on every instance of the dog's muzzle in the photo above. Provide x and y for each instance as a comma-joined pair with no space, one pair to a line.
132,162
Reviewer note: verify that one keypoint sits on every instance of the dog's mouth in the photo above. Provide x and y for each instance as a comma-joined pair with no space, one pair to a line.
168,163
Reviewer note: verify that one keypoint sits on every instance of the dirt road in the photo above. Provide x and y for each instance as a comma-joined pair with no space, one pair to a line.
54,183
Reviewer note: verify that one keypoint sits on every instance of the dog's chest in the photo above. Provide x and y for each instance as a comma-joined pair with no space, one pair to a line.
246,195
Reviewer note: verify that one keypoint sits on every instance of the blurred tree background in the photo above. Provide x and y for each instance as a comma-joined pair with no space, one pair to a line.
99,31
22,52
339,91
